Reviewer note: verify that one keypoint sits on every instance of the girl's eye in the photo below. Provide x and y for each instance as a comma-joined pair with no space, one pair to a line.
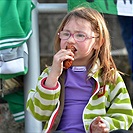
80,35
65,34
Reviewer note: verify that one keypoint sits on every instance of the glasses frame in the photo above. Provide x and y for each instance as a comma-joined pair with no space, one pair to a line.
70,34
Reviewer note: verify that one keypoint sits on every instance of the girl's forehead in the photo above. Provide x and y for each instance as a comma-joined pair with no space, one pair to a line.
79,22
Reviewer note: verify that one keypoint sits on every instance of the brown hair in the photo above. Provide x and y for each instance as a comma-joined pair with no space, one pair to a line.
98,26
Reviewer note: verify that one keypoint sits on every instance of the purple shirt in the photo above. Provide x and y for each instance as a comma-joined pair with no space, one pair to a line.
78,91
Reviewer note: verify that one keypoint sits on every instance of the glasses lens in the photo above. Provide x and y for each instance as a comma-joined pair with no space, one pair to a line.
64,35
79,37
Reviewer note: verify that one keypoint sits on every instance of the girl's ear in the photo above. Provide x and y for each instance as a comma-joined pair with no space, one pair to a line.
98,44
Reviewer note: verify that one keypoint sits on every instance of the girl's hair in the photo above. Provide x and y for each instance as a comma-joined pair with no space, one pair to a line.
98,26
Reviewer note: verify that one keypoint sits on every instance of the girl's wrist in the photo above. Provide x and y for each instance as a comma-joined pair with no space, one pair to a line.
44,85
51,81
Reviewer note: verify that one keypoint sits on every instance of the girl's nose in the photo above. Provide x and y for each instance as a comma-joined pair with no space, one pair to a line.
71,39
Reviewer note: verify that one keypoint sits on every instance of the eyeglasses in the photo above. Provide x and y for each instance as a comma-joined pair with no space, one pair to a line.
78,36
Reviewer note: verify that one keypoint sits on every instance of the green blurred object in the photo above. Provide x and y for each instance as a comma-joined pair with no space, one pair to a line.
115,7
103,6
16,104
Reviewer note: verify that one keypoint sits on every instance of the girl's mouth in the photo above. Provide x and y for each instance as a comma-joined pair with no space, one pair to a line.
73,49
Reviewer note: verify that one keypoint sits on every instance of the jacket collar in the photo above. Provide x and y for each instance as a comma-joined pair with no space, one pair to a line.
95,69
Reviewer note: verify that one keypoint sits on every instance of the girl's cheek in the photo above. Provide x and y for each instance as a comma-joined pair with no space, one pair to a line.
81,46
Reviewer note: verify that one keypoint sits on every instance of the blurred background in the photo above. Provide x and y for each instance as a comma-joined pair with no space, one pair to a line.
47,24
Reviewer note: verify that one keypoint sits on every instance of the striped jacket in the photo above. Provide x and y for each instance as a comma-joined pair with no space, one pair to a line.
111,102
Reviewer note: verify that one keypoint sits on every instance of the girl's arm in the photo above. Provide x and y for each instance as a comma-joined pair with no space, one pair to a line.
114,107
119,114
43,100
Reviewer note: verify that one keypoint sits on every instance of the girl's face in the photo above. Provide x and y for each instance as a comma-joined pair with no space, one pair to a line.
85,49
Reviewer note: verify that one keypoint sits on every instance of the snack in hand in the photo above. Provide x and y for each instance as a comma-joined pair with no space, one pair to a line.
67,63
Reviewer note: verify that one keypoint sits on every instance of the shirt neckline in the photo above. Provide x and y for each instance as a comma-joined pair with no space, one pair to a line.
78,68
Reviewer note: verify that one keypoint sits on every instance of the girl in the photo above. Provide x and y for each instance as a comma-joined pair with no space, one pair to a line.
90,96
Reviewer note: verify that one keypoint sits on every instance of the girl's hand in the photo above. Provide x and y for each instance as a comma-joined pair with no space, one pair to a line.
98,126
59,58
57,66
